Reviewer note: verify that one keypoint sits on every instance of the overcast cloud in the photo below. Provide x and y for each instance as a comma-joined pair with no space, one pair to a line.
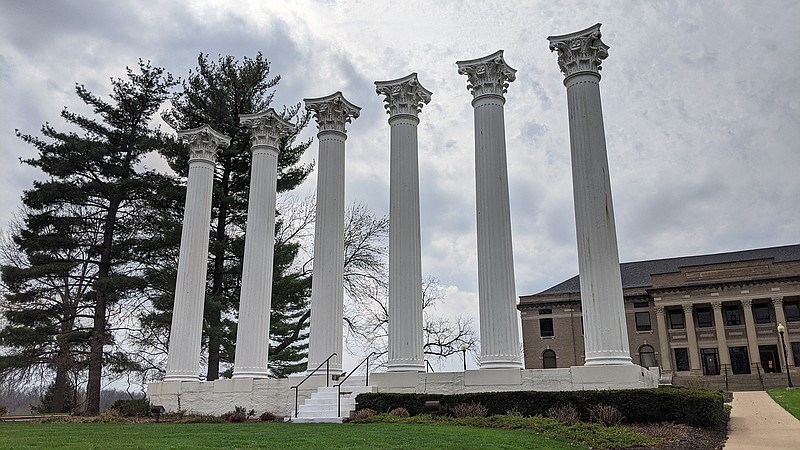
701,104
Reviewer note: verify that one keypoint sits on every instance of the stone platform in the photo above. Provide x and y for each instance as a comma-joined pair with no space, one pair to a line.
276,395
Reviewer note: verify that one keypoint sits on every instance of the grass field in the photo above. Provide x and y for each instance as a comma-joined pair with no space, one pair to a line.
266,435
789,399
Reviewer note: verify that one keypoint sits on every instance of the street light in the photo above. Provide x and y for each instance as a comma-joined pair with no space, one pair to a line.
464,353
781,329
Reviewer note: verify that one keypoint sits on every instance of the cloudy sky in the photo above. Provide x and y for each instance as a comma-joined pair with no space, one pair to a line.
701,104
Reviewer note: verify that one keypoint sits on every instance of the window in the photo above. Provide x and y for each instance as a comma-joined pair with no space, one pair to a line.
641,304
643,321
546,327
704,317
681,359
733,316
676,319
548,359
761,313
796,353
792,311
647,356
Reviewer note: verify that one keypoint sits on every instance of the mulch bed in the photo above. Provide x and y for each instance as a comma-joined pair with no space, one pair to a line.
683,437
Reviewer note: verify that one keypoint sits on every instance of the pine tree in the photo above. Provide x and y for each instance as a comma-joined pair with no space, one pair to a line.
97,201
215,94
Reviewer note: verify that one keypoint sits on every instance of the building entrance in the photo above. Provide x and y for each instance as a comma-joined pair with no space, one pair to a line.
770,360
740,362
710,358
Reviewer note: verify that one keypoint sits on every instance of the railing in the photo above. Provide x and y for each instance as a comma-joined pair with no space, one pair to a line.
339,397
327,379
760,378
428,366
725,367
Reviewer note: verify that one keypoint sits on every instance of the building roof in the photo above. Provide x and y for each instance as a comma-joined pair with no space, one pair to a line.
638,273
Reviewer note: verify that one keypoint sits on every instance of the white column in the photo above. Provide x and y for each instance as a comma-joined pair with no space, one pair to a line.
663,340
404,99
722,340
606,334
327,286
488,79
691,337
252,334
183,360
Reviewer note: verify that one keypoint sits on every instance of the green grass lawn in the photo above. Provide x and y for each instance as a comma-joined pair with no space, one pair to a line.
788,398
267,435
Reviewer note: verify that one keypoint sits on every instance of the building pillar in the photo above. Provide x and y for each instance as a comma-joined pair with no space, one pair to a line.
404,98
252,334
722,339
780,317
663,340
606,333
332,113
487,80
691,337
183,358
752,336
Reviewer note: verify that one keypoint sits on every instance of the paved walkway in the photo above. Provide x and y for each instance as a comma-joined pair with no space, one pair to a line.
757,422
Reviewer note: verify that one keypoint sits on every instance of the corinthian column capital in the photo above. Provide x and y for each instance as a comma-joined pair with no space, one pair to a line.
267,128
403,96
332,112
204,142
581,51
716,306
489,75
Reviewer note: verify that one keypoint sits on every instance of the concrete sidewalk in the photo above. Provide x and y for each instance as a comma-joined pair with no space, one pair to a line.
757,422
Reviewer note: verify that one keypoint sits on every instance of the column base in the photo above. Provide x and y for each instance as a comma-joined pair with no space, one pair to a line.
252,373
405,366
181,375
500,362
619,359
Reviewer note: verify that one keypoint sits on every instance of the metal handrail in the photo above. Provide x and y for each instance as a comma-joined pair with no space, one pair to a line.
760,378
339,397
428,366
725,366
327,379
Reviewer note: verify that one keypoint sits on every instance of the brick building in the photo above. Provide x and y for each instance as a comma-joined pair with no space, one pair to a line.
703,319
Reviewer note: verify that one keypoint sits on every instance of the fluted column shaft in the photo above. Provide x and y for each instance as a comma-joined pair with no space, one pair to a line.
750,329
183,359
327,287
252,334
606,332
722,339
488,79
404,99
780,317
691,337
663,340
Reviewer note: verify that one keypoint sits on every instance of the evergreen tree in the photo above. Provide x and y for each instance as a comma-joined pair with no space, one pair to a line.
216,93
97,202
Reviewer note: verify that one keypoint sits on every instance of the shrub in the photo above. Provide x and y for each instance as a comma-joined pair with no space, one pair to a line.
365,413
3,410
109,415
268,417
605,415
132,408
695,407
239,414
199,418
469,410
566,414
514,412
400,412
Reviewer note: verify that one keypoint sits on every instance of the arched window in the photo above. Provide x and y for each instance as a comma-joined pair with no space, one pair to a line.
549,359
647,356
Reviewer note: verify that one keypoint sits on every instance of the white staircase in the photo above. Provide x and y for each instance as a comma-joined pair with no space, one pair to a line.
323,405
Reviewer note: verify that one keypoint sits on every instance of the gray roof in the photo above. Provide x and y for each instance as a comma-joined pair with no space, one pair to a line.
638,273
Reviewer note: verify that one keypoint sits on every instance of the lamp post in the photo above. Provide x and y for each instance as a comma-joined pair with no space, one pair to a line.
464,354
781,329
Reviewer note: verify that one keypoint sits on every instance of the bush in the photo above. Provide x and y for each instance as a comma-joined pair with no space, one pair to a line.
468,410
3,410
198,418
132,408
566,414
239,414
268,417
400,412
690,406
365,413
605,415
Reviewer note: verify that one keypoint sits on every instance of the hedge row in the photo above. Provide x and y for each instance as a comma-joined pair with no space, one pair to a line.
691,406
133,408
